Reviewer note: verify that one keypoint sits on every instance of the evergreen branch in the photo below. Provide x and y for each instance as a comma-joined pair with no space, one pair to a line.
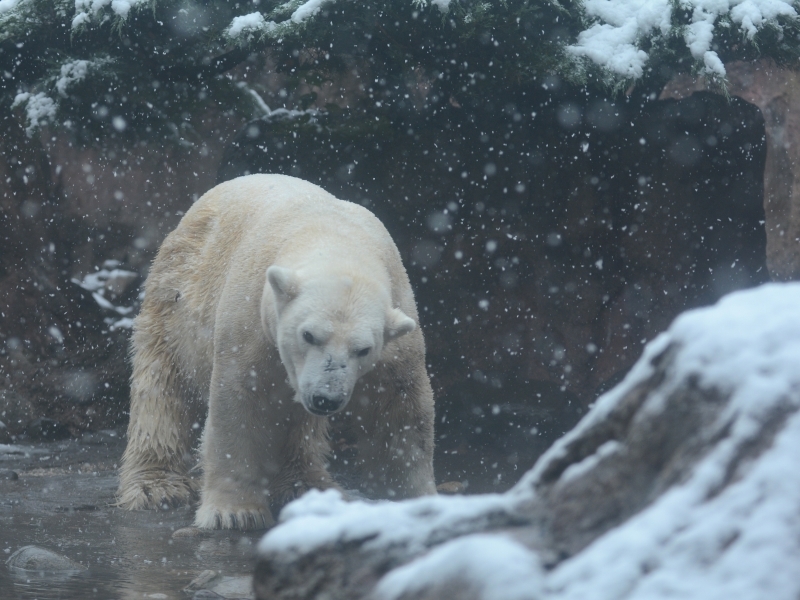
160,52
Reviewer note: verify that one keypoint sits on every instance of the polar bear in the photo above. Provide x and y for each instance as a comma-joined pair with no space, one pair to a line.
274,305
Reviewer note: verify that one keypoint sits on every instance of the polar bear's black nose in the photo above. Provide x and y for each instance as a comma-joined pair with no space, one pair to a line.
322,405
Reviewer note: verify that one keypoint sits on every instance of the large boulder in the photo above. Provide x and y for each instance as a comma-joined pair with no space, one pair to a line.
680,482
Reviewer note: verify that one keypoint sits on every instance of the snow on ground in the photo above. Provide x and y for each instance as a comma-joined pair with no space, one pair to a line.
696,541
704,538
743,543
11,449
487,563
320,518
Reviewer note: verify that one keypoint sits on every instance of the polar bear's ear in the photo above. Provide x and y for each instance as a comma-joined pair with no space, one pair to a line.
398,324
283,282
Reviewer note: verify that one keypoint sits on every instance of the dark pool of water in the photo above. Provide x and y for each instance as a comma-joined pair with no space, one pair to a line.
62,502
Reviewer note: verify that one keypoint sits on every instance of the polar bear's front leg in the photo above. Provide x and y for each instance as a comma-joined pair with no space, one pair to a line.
231,498
242,443
240,506
397,459
237,463
258,471
396,434
304,458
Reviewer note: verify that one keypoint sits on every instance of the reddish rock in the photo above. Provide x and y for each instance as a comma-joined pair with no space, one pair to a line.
776,92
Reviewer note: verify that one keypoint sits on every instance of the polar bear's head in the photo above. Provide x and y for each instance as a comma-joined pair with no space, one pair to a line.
330,330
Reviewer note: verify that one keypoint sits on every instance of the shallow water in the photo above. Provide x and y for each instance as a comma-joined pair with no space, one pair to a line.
62,504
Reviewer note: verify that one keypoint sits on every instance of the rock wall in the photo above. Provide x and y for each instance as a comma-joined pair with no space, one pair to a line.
776,92
71,209
548,236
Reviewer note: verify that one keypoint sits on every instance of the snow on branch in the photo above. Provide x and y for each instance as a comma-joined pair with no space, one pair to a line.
71,72
15,16
621,38
443,5
618,35
619,29
7,5
85,10
246,24
41,107
308,9
242,28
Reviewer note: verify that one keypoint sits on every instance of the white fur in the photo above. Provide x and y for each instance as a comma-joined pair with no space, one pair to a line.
272,300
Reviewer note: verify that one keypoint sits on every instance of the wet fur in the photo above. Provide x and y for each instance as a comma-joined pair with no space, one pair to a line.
202,343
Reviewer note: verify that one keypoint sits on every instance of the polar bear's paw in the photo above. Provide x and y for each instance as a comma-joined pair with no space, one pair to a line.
243,518
155,489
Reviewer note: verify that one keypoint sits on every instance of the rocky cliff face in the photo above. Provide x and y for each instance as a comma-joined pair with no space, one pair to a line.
548,235
776,92
79,225
680,482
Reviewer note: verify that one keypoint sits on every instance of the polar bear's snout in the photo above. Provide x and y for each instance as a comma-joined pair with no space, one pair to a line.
324,406
327,398
334,394
334,365
326,382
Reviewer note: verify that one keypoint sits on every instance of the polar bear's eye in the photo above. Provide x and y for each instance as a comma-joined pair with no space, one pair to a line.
363,352
308,337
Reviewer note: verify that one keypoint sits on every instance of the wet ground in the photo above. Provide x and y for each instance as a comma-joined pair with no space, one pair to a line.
57,496
61,501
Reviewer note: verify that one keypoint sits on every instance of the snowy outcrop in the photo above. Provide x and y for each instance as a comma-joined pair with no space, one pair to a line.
107,284
680,482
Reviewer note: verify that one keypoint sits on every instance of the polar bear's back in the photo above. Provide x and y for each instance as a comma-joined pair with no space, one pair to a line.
221,249
270,215
241,227
279,203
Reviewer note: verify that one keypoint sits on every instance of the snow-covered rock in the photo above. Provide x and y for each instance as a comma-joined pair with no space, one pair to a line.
111,282
680,482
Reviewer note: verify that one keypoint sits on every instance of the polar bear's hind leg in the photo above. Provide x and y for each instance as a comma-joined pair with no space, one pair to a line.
154,471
